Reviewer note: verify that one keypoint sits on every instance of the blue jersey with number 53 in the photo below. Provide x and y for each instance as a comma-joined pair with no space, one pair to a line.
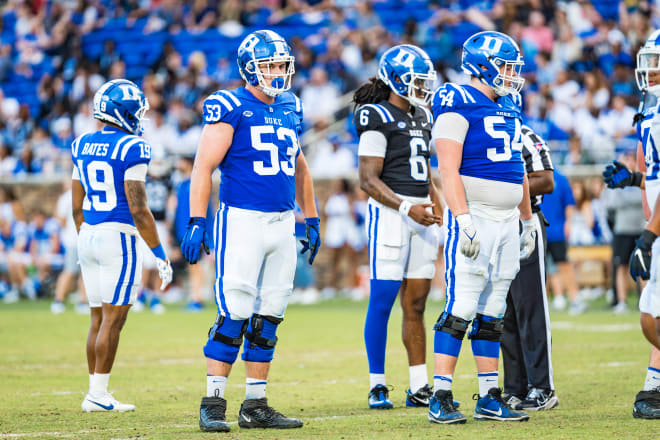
100,162
648,133
258,169
493,144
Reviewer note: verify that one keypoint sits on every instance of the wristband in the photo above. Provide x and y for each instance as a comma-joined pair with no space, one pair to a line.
528,223
159,252
637,178
404,207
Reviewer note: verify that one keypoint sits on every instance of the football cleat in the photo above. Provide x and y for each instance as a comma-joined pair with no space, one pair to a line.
442,409
255,413
212,415
422,397
647,405
537,400
379,398
511,399
104,404
492,407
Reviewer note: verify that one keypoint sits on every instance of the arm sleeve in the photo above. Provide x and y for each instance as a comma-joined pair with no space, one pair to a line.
220,107
451,125
137,172
372,143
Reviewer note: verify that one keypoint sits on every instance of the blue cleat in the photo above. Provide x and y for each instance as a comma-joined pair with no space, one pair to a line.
442,409
379,398
492,407
421,398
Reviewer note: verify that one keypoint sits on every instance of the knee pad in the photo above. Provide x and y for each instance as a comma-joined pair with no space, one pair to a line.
451,324
225,339
260,340
486,328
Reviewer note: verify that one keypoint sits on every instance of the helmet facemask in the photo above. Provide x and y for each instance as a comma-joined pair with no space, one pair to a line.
648,60
420,87
508,81
279,83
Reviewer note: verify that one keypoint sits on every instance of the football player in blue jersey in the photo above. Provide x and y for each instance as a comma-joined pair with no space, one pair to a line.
252,135
404,211
109,210
477,133
644,259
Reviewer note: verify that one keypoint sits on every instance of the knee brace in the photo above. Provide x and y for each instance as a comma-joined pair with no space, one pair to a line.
449,333
260,340
225,339
485,334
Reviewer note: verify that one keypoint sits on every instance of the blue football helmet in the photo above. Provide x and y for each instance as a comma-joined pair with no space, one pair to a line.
408,71
122,103
256,54
648,59
495,59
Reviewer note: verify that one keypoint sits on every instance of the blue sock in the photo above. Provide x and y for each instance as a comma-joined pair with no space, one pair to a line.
381,299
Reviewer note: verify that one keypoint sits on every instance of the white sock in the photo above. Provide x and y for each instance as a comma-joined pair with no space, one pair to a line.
376,379
487,381
418,377
652,379
255,388
442,382
99,384
90,382
215,386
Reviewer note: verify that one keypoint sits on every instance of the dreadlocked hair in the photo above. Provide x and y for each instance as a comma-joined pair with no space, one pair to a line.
370,93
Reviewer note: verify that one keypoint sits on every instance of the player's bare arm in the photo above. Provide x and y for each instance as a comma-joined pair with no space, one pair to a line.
436,197
449,161
213,146
78,196
305,188
641,166
142,216
525,205
541,182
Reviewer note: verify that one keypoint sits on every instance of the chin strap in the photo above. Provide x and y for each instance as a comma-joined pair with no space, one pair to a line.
639,116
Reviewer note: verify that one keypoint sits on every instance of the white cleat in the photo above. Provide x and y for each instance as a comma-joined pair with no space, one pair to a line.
57,307
104,404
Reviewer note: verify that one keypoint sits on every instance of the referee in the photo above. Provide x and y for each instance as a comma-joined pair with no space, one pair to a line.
526,340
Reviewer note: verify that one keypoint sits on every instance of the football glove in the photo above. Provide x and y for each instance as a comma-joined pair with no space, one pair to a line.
468,240
617,175
164,272
194,239
313,235
527,238
640,260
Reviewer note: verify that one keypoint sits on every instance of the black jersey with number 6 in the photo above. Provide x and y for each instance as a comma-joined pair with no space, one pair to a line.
405,166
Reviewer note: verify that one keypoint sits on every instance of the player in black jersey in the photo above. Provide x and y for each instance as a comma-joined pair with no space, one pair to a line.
404,210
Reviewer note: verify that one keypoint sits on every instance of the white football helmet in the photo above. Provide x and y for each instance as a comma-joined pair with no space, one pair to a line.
648,59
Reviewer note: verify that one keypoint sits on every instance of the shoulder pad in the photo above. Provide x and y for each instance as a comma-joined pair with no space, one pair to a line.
371,117
451,95
427,114
132,149
75,144
290,100
218,105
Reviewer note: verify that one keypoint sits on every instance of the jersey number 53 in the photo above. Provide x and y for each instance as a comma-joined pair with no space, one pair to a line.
287,166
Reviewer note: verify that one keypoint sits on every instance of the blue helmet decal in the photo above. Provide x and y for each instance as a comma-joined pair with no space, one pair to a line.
648,59
495,59
256,55
408,71
122,103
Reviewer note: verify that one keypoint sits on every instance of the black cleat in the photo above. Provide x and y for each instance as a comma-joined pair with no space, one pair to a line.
538,400
212,415
419,398
647,405
255,413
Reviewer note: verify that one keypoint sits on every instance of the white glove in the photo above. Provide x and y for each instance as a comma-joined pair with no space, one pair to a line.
468,239
527,238
164,272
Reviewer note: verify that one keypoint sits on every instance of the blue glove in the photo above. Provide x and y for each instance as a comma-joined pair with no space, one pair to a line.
194,239
617,175
313,235
640,260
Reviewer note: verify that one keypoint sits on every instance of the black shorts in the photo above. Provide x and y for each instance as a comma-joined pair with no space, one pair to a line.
622,246
557,249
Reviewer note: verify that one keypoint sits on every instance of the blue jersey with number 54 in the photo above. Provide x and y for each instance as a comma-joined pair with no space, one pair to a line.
100,162
493,144
258,169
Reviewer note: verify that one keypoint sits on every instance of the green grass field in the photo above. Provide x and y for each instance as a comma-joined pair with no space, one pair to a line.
319,374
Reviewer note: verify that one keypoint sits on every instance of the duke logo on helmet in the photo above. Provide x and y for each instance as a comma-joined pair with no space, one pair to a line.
648,59
256,54
121,102
408,71
495,59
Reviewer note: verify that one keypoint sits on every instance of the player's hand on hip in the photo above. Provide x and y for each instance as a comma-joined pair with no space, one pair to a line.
640,260
313,238
617,175
194,240
527,238
468,240
422,215
165,272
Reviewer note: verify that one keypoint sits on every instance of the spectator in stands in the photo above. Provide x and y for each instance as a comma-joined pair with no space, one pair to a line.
44,246
26,163
202,16
537,33
557,208
581,223
616,122
7,161
14,259
331,159
320,98
594,90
